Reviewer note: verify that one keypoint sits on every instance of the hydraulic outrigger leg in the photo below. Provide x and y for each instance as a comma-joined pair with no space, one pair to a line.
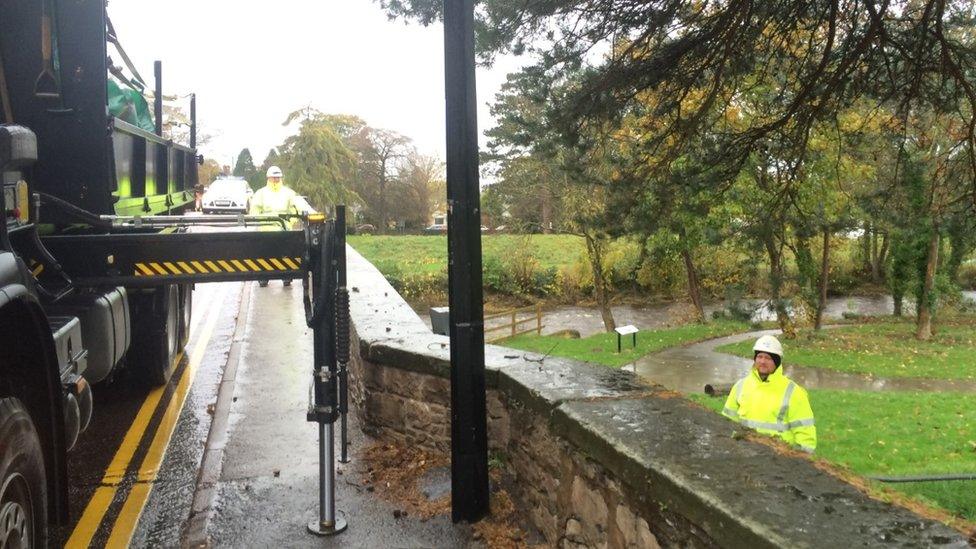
327,313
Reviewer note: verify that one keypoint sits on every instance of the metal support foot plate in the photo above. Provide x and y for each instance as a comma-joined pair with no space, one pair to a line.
321,529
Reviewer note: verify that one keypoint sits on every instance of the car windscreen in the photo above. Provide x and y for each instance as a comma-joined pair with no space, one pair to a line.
227,187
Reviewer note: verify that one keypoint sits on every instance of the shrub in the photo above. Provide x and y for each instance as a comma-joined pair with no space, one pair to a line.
967,276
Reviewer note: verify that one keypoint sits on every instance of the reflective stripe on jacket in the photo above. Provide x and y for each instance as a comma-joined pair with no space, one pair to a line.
777,407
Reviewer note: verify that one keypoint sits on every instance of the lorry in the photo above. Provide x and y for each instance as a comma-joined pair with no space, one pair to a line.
97,266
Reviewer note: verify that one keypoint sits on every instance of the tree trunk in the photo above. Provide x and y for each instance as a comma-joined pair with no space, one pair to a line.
875,258
866,245
384,226
595,251
882,258
694,286
824,276
926,301
776,285
546,211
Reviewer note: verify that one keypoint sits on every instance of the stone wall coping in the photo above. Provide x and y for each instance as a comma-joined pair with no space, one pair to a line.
740,492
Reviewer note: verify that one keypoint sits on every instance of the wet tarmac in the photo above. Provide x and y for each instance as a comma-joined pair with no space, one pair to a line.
688,369
267,488
98,465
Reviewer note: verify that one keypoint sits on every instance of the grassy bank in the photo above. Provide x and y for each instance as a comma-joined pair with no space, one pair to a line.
899,434
602,348
886,349
512,264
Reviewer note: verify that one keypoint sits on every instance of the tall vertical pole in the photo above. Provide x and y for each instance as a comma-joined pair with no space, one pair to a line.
158,103
469,429
342,330
193,121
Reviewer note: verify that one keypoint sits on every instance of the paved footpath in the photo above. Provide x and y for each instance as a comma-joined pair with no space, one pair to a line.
259,484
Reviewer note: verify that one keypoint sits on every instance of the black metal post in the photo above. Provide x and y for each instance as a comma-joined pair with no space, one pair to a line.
323,408
158,103
469,436
342,329
193,121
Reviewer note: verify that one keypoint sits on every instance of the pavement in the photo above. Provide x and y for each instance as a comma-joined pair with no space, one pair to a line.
258,485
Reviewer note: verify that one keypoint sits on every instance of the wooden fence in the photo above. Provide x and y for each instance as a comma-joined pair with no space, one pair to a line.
514,322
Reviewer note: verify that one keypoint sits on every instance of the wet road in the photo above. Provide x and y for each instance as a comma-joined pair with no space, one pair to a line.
128,483
223,456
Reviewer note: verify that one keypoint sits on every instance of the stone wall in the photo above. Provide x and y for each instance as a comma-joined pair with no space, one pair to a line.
601,458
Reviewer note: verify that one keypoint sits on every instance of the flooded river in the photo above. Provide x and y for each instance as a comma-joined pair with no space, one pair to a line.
688,369
587,321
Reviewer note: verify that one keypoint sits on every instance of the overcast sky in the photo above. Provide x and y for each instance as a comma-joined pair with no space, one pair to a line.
251,63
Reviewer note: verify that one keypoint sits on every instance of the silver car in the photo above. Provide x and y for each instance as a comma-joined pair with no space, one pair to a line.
227,195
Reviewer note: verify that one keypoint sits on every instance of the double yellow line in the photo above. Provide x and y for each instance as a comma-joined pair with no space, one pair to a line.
135,501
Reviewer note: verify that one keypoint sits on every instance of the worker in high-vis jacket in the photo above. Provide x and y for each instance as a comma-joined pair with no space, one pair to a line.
274,198
771,403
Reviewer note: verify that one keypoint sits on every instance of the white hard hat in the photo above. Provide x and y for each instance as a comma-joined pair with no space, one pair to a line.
274,171
768,344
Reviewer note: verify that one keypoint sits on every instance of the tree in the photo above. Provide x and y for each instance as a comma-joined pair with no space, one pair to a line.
244,167
208,171
530,159
818,56
419,188
319,164
380,153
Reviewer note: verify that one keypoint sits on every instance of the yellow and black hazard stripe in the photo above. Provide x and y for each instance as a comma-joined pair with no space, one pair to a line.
218,266
36,268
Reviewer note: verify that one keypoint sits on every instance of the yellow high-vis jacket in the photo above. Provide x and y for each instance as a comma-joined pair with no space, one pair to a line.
268,201
776,407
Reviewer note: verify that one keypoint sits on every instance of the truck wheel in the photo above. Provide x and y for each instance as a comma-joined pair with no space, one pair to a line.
186,313
23,485
156,335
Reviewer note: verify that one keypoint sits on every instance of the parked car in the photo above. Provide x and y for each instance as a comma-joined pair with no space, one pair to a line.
365,228
227,195
436,229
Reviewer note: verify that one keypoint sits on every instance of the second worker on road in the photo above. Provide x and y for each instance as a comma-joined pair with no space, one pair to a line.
274,198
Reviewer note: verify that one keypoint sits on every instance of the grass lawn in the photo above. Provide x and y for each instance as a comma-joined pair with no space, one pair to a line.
885,349
602,348
425,254
899,434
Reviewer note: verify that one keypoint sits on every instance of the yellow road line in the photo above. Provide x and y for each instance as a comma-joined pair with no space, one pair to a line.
105,493
128,518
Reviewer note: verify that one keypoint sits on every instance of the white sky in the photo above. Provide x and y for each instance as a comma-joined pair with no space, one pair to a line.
251,63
